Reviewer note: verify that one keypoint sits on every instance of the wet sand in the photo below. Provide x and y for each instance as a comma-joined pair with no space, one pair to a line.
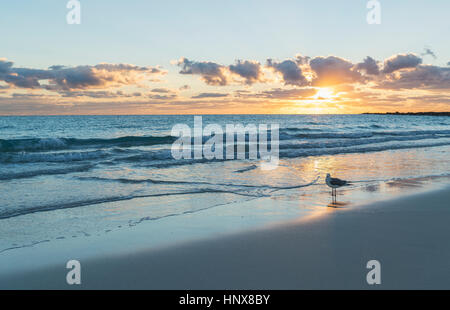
329,250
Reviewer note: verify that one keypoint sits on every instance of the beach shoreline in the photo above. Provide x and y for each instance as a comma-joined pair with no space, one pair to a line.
328,250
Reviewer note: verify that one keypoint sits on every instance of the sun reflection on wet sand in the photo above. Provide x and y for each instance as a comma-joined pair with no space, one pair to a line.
375,176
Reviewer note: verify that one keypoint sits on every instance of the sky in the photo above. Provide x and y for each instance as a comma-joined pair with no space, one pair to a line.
224,57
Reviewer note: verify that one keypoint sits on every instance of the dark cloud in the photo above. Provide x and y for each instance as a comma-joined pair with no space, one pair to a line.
249,70
401,61
432,98
21,77
423,77
161,90
279,93
99,76
368,66
209,95
5,66
292,74
184,87
100,94
56,67
168,96
90,94
333,70
302,60
219,75
27,96
62,78
210,72
428,51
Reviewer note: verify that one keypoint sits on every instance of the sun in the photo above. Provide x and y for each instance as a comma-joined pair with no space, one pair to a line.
324,94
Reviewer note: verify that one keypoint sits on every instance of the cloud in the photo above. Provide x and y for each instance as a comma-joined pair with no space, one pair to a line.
184,87
60,78
209,95
162,97
99,94
279,93
5,66
28,96
210,72
368,66
249,70
333,70
401,61
218,75
102,75
321,71
112,86
422,77
25,78
290,71
161,90
302,60
429,52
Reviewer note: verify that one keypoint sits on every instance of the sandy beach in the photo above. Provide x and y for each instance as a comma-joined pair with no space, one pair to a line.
329,250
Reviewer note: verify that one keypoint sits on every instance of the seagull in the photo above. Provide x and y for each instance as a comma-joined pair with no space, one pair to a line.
335,183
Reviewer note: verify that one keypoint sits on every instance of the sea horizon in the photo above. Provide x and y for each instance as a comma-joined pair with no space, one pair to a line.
362,113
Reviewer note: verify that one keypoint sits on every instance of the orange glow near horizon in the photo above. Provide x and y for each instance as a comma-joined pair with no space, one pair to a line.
325,100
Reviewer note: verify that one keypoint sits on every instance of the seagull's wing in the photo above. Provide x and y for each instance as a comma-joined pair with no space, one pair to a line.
338,182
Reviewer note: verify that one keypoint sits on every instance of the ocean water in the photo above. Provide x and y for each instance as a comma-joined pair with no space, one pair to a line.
67,176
